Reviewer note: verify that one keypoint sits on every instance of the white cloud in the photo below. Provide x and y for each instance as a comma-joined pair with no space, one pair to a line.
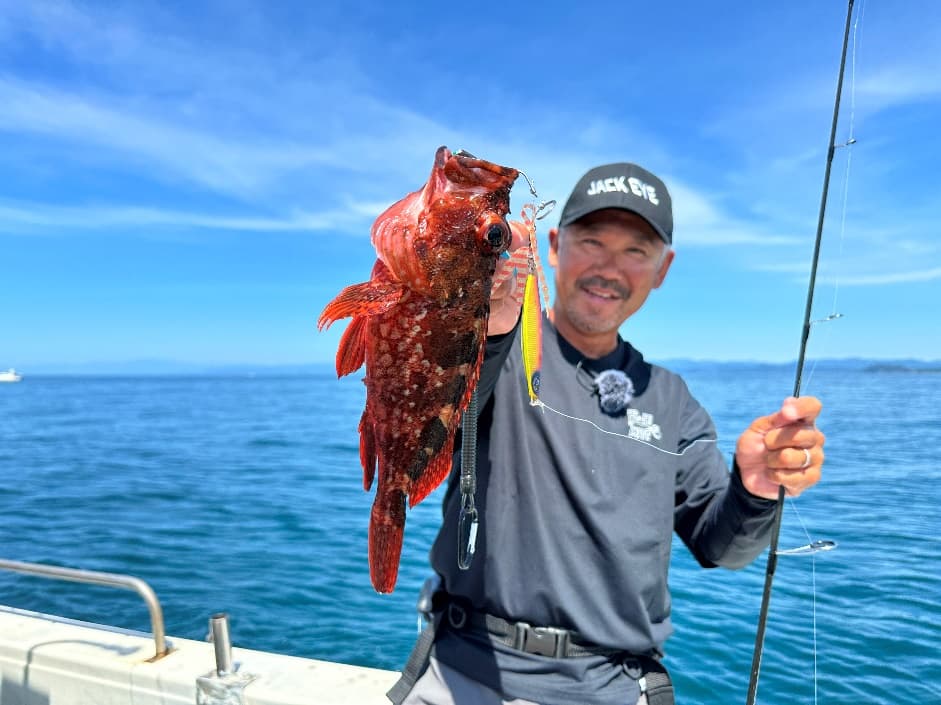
905,277
250,165
699,222
45,217
238,119
271,132
899,84
225,165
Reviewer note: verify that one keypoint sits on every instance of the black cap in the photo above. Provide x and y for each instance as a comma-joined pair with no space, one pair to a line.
625,186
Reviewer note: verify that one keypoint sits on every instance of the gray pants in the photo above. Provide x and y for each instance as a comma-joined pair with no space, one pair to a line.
442,685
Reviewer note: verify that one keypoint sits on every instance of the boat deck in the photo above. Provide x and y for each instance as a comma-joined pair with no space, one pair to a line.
46,660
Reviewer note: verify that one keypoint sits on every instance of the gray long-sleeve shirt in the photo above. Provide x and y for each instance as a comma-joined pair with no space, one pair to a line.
577,511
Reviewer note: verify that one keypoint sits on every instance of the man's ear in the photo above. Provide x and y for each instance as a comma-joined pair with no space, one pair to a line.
664,268
553,247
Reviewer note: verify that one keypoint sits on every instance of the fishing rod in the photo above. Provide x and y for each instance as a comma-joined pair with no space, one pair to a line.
805,335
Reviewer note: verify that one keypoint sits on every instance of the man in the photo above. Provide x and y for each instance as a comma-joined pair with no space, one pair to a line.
566,599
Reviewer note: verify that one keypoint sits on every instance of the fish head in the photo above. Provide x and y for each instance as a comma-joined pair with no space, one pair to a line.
447,236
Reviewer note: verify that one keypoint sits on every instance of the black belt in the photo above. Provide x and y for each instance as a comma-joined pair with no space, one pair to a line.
522,636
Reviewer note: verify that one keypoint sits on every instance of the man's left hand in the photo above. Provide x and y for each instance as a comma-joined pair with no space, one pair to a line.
783,448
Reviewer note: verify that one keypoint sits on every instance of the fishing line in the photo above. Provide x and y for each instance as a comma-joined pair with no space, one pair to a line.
812,548
850,141
813,588
848,144
805,334
541,404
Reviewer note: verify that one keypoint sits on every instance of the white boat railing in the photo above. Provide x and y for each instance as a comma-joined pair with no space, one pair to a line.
117,580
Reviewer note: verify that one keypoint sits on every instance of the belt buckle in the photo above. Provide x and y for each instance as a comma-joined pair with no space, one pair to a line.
543,641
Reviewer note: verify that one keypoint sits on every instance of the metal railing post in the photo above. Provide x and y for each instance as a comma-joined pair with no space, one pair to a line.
127,582
221,643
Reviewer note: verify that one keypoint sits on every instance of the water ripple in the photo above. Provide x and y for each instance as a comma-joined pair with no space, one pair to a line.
245,496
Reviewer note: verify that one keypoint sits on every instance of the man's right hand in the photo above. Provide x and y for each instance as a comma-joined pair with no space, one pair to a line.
506,296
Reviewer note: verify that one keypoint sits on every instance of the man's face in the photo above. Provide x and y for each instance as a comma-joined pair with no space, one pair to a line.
606,264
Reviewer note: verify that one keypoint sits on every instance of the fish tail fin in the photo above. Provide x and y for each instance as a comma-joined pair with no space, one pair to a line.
351,354
367,450
434,474
386,529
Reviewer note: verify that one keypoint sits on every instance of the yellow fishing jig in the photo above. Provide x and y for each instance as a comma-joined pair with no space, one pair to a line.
531,334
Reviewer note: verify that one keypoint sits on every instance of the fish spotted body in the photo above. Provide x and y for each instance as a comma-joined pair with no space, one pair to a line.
419,324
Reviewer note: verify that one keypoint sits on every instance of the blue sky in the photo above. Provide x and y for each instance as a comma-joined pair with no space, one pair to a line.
195,181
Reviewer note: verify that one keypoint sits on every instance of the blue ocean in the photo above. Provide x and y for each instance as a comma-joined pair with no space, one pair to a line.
243,494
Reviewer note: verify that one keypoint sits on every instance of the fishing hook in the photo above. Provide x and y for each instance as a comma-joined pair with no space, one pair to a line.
831,317
812,547
545,207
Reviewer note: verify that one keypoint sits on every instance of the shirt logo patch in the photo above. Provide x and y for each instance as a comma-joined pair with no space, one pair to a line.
641,427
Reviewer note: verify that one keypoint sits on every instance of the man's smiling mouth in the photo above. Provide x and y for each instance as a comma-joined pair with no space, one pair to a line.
607,290
605,294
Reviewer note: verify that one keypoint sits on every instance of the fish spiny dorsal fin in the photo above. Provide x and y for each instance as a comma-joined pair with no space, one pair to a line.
437,182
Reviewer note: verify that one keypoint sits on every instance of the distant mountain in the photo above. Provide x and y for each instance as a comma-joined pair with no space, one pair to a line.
926,368
849,363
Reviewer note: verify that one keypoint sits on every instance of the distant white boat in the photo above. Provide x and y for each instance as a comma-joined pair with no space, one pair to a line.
10,376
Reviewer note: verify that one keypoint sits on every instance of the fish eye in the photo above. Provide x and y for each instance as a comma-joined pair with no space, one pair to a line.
498,236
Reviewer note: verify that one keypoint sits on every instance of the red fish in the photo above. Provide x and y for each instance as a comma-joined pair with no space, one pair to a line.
420,324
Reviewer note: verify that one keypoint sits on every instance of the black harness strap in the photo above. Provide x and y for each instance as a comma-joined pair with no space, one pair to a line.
417,663
656,683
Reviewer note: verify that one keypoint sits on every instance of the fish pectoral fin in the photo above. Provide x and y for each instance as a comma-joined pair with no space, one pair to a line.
351,354
364,299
